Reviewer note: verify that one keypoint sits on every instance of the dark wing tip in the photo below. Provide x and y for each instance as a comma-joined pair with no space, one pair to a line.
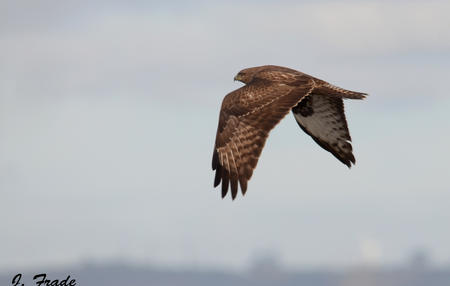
223,176
243,184
218,176
346,157
225,182
348,160
234,186
215,159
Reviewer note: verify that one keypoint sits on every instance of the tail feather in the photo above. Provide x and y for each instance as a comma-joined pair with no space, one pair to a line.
329,89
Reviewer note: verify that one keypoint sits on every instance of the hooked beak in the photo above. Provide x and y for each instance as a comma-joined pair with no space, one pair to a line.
237,77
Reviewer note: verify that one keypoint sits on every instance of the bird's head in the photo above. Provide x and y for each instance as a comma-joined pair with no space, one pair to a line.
247,75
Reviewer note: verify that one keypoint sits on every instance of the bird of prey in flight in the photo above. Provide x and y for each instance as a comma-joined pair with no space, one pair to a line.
249,113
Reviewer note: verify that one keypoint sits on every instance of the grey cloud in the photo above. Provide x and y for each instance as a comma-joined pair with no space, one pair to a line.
84,46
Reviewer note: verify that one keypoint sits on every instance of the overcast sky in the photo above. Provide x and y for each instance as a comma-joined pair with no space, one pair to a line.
108,113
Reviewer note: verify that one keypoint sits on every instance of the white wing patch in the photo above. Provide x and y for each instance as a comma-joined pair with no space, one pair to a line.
323,118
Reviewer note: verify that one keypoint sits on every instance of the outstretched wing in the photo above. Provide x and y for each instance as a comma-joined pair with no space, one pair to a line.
322,117
246,118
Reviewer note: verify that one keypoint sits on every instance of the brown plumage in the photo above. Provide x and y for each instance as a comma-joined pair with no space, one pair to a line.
249,113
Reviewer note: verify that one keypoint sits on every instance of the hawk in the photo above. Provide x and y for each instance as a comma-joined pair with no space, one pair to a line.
249,113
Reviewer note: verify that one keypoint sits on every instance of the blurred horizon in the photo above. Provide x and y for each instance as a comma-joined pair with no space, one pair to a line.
265,268
420,258
108,113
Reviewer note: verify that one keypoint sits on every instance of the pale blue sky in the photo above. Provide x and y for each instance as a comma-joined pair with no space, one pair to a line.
108,115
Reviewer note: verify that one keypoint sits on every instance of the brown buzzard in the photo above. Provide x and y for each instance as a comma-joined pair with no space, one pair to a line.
249,113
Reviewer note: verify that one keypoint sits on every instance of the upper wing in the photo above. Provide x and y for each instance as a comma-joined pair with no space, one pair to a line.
246,118
295,78
323,118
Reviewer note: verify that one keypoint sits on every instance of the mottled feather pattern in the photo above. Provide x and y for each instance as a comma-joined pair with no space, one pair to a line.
242,137
249,113
327,125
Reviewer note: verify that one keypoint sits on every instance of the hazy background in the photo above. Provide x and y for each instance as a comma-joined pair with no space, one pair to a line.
108,113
